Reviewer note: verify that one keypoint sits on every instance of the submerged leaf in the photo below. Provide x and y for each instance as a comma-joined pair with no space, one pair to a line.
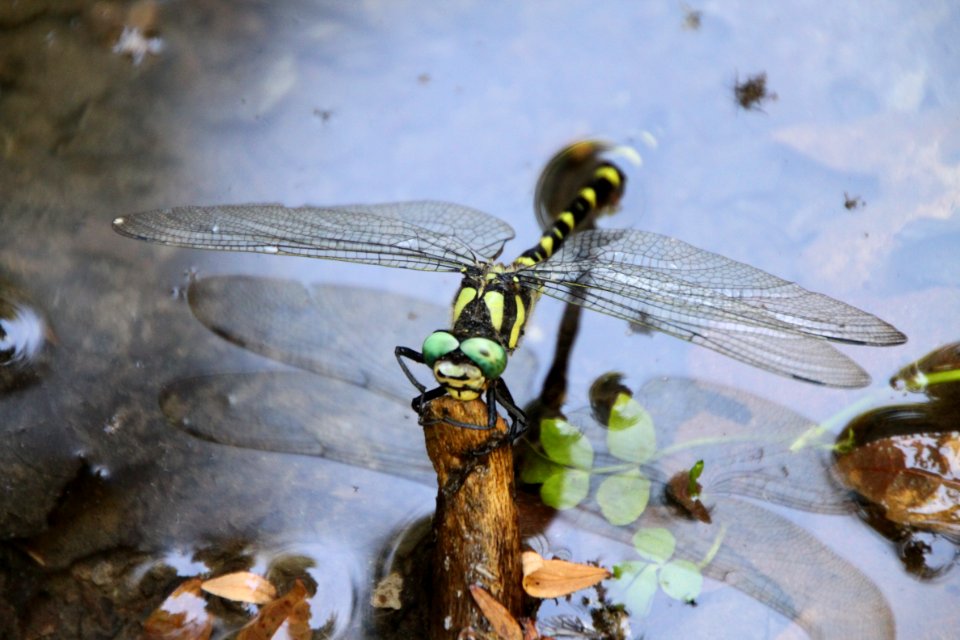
544,578
631,436
638,583
273,615
388,592
681,580
241,586
536,469
182,616
565,444
623,497
565,489
655,544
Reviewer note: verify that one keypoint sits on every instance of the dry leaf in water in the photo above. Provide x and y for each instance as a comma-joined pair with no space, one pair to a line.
241,586
182,616
502,623
273,615
544,578
387,594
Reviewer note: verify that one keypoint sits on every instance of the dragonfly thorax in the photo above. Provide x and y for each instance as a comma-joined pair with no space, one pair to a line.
493,304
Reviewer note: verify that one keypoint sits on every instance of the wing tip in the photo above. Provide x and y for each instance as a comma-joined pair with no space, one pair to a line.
852,380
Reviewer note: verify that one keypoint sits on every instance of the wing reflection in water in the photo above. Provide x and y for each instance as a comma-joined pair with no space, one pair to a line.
751,448
357,412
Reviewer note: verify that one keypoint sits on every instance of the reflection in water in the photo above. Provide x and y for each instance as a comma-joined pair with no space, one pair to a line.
362,419
23,334
749,448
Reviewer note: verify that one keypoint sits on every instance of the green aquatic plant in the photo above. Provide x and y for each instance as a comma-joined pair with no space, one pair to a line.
637,581
564,463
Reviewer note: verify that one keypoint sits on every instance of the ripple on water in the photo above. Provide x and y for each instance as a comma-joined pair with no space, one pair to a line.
23,334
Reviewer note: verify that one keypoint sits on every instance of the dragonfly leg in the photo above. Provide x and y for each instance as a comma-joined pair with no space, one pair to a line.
415,356
419,401
433,394
518,419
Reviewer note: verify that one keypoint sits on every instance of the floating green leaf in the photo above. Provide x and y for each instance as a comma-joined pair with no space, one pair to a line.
655,544
638,582
631,435
565,444
681,580
565,489
623,497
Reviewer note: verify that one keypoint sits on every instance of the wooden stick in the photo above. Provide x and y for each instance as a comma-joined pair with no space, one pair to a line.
476,529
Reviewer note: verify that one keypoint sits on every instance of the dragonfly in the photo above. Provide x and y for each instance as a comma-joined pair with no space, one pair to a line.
640,276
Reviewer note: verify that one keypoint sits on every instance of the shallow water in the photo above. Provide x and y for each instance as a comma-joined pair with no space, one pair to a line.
328,104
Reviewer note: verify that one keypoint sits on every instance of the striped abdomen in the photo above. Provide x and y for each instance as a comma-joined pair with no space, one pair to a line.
603,190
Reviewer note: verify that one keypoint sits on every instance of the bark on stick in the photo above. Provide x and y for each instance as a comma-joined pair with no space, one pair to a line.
476,528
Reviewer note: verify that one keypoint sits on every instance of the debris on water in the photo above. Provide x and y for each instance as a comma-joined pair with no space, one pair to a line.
752,92
852,202
691,18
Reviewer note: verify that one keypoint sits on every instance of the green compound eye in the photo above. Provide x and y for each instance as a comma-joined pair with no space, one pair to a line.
486,354
437,345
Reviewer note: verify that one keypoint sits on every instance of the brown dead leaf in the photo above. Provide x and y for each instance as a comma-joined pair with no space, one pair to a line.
182,616
678,490
388,592
530,630
299,622
241,586
502,623
544,578
274,614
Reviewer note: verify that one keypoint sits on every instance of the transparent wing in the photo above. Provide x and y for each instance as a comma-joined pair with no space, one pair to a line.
710,300
430,236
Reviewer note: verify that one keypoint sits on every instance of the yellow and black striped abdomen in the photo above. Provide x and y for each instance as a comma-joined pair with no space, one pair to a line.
603,190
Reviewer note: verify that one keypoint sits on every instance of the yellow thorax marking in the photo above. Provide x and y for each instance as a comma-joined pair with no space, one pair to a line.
466,295
517,323
494,302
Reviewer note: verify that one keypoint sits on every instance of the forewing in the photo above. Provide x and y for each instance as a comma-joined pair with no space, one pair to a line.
707,299
427,235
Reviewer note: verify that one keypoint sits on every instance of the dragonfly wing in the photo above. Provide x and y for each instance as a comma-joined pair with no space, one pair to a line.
427,235
713,301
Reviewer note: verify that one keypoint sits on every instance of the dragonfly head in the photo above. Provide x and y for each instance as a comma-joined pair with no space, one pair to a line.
464,367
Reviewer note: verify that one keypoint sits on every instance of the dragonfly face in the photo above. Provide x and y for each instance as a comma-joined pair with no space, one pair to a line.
465,368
